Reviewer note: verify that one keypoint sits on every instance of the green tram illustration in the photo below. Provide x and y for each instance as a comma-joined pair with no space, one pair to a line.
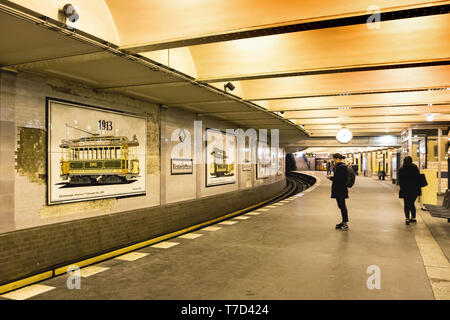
99,159
220,168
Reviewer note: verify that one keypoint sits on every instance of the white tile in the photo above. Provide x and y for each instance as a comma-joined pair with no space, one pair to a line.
27,292
132,256
242,218
89,271
271,207
190,236
263,210
228,223
212,228
165,245
279,204
254,213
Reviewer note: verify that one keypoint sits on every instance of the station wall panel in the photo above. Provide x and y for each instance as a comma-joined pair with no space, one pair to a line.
35,236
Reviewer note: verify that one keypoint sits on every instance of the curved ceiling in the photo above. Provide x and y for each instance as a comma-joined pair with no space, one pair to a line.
95,16
142,22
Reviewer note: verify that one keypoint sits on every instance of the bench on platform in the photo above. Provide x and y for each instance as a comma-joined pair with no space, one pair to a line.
440,211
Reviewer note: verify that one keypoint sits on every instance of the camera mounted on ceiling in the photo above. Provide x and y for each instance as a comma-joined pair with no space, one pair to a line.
70,13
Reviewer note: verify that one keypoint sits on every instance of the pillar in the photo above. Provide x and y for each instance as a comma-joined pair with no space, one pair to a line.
7,149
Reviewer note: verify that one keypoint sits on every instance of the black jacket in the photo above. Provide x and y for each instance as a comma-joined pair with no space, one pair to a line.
339,185
409,181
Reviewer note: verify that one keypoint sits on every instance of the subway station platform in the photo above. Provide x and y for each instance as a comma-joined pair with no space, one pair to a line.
286,250
156,150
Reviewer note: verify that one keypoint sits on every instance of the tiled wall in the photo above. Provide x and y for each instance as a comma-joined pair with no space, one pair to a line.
35,237
23,186
7,147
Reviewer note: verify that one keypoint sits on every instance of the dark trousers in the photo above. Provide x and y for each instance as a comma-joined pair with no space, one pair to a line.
409,207
343,207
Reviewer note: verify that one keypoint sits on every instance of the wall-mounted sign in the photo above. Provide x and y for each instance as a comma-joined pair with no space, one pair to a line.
181,166
94,153
263,163
247,166
220,158
274,161
344,136
247,156
281,161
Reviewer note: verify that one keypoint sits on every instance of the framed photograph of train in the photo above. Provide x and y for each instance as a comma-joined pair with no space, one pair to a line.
94,153
263,161
181,166
220,158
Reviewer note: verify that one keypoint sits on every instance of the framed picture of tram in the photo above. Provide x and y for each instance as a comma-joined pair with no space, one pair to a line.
94,153
220,158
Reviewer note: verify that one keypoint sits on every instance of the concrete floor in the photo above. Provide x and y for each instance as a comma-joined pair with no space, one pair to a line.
291,251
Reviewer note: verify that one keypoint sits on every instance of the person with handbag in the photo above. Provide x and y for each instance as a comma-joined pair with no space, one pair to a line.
409,179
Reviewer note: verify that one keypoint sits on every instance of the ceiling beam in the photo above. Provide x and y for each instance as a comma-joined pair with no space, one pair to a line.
294,109
415,64
289,27
364,112
445,119
352,93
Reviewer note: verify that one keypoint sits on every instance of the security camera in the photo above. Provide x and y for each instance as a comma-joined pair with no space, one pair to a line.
229,86
71,13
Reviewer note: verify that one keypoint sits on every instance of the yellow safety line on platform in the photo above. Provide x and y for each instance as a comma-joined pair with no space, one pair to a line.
59,271
25,282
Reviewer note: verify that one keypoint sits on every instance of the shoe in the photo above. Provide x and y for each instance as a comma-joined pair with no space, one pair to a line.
413,220
340,225
407,222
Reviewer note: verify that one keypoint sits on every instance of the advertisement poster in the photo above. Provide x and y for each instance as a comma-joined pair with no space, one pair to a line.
94,153
263,165
281,161
246,162
220,158
181,166
274,161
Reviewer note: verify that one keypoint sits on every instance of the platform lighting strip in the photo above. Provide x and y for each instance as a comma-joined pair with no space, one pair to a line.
354,93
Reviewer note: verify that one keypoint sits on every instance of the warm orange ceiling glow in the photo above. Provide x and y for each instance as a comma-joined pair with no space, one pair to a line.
364,81
406,40
381,99
154,21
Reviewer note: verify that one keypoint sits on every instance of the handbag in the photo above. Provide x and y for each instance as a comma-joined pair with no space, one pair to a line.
423,180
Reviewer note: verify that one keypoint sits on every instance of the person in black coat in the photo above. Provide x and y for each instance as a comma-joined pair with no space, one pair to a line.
409,180
339,189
